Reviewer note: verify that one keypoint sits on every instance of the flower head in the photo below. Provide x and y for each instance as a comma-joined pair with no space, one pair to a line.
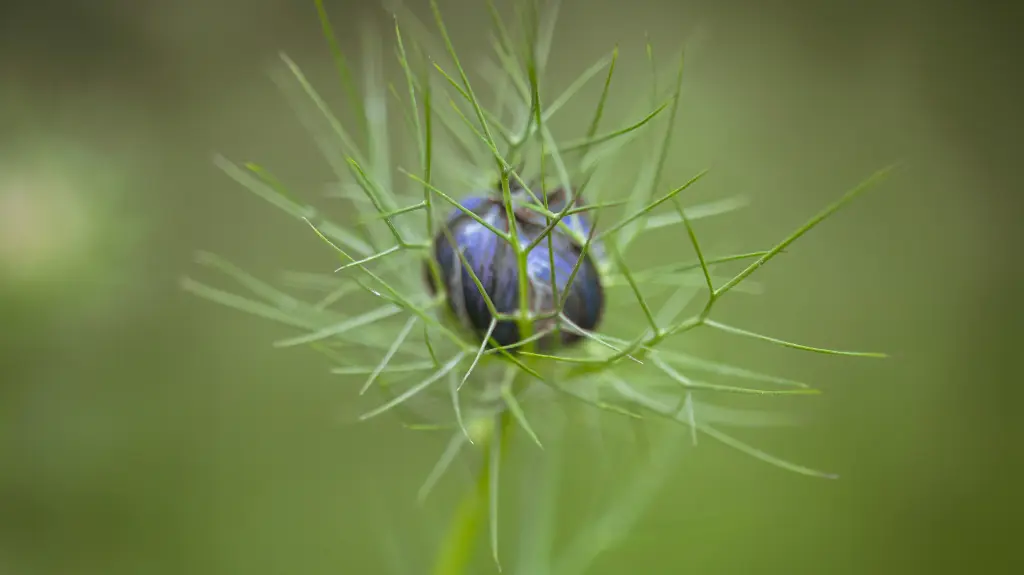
518,278
479,267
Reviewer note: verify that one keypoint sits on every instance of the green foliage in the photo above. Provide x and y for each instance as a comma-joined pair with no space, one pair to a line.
422,355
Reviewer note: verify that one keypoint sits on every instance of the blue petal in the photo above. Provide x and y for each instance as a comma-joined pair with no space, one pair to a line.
476,204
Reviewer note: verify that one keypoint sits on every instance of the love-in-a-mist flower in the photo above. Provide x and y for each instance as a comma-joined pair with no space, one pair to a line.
468,303
479,268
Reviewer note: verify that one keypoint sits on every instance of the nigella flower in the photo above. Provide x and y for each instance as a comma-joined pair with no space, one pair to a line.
479,265
525,269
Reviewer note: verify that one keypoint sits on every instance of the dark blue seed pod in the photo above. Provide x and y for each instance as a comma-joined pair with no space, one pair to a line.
493,261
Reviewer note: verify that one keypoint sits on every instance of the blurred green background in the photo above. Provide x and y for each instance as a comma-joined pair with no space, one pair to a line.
143,430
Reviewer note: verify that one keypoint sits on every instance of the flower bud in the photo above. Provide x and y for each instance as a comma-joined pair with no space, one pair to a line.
493,261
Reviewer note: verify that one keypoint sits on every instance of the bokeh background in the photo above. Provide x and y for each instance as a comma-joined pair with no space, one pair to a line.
143,430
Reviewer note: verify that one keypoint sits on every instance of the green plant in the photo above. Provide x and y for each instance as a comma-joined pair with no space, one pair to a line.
478,392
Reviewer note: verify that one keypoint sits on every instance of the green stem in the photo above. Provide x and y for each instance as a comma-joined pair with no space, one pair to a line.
457,547
456,550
